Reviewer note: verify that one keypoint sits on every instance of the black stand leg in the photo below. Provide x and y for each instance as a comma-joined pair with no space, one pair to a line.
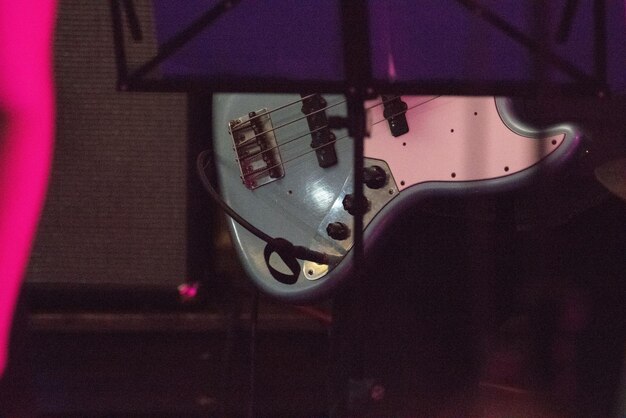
347,361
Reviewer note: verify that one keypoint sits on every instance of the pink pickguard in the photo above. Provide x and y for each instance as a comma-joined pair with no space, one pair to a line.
453,139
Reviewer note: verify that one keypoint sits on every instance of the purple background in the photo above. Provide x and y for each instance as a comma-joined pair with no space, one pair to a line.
429,40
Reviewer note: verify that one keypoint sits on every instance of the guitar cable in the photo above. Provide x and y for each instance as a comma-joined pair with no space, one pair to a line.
288,252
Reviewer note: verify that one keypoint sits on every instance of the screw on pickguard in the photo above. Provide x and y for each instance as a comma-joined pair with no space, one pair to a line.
323,140
255,145
394,111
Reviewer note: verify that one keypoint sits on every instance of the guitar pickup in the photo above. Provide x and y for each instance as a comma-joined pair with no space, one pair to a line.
256,148
323,140
395,113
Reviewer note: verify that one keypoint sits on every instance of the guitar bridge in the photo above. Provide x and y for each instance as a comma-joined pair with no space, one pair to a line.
255,145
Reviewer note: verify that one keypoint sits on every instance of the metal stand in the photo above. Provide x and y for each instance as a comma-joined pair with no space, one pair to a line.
584,83
357,86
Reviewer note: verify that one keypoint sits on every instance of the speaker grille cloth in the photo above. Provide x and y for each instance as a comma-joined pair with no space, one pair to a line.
116,209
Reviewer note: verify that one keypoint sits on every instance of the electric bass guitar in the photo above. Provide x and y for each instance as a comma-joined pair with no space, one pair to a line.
285,165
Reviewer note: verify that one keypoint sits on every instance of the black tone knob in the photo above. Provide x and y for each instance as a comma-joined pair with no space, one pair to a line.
374,177
352,207
338,231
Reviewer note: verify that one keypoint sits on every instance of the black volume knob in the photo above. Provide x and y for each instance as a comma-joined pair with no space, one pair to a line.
338,231
374,177
353,207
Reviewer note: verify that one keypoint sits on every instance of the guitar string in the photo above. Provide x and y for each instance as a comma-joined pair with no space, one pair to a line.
295,102
317,129
247,123
283,163
254,137
274,129
302,99
313,149
278,146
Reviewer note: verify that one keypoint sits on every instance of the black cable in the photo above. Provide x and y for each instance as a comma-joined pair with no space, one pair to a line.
285,249
200,165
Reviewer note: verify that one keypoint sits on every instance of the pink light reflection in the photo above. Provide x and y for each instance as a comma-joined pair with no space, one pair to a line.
26,141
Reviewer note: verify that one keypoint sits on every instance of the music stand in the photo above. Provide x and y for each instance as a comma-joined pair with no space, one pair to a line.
380,46
365,48
582,50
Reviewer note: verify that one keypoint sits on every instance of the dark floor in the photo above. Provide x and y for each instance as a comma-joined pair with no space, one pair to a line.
186,363
535,327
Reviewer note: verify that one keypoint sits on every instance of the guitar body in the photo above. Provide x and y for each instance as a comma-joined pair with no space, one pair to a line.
454,146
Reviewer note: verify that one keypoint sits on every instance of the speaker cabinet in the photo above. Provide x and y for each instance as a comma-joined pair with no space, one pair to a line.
118,202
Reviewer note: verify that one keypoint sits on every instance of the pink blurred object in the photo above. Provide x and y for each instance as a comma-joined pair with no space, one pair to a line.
26,140
188,291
